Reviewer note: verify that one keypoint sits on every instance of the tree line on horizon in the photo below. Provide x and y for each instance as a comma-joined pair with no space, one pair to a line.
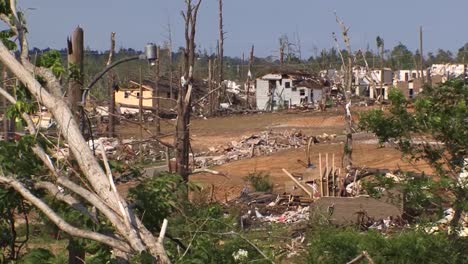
236,67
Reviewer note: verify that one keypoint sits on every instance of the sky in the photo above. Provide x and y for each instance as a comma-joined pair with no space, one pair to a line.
250,22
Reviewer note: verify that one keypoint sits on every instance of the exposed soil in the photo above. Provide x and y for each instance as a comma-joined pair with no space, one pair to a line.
222,130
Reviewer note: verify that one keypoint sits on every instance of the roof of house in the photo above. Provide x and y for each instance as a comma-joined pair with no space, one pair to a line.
313,83
199,86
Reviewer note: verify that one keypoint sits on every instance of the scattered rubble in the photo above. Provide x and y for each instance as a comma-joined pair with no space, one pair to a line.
444,224
264,143
129,151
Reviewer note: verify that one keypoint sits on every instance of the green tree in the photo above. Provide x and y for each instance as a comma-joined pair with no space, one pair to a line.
436,132
462,55
443,56
402,58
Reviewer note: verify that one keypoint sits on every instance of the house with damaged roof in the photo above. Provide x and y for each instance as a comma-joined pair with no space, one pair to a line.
287,90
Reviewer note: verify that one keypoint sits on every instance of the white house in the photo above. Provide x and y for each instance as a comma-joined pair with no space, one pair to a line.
407,75
448,70
285,90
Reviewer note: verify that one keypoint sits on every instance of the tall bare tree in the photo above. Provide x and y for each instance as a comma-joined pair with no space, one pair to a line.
381,47
111,89
156,91
182,135
249,76
129,235
221,46
347,90
75,69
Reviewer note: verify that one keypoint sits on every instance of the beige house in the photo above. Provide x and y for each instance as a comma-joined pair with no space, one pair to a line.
129,97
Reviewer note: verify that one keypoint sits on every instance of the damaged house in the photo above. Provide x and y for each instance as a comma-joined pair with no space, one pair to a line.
409,82
285,90
128,97
365,80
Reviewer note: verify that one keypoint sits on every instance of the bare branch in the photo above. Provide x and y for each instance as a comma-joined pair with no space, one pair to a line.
68,199
57,220
363,255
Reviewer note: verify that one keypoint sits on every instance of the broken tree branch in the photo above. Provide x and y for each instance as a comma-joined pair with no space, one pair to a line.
363,255
57,220
66,198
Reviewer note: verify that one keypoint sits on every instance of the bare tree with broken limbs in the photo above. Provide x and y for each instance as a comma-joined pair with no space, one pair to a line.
184,101
221,47
129,235
347,90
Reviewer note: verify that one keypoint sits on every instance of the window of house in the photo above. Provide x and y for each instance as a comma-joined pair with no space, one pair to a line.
126,94
414,75
168,95
287,85
411,93
406,77
294,89
302,92
138,95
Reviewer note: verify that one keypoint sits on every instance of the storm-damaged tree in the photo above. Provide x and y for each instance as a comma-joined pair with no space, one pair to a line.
184,101
85,184
347,85
221,48
434,130
380,46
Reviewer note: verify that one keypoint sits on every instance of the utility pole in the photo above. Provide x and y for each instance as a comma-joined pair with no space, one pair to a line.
421,54
75,69
156,91
111,87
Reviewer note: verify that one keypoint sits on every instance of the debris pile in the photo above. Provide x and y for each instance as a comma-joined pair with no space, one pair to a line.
129,151
259,207
444,224
265,143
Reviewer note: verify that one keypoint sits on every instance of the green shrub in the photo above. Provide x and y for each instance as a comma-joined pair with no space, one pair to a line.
156,198
333,245
260,181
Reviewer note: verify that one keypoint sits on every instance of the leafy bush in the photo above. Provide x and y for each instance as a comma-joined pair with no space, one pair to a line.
342,245
260,181
156,198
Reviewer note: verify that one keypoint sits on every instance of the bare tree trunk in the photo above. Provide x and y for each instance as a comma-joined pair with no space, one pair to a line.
5,105
169,54
76,252
75,68
221,46
281,53
249,76
348,146
75,85
182,136
131,238
111,86
210,90
382,77
156,92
